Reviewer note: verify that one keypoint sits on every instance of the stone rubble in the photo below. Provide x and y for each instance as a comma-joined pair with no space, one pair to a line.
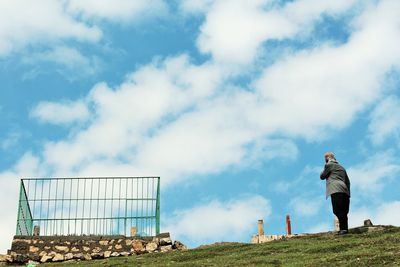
71,248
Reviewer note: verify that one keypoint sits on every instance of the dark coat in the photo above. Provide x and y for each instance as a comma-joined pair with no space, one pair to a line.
336,177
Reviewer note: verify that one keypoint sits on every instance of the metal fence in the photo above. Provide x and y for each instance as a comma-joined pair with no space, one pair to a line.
89,206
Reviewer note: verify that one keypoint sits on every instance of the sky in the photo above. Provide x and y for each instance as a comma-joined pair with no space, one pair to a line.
231,102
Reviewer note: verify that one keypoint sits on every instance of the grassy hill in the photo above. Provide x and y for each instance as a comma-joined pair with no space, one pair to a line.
378,248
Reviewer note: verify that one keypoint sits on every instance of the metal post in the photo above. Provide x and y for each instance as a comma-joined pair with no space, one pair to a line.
158,208
18,230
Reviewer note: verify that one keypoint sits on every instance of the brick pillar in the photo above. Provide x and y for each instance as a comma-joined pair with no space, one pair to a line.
288,225
260,227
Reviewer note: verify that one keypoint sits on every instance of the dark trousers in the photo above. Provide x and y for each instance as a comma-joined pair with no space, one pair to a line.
340,206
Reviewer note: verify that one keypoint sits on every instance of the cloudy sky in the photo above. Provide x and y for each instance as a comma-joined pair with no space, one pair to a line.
231,102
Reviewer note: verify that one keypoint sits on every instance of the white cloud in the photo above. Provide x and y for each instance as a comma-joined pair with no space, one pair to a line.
322,89
68,61
10,140
196,6
385,120
218,221
320,228
281,187
27,166
384,214
117,10
51,22
233,31
305,206
175,119
372,174
60,113
23,23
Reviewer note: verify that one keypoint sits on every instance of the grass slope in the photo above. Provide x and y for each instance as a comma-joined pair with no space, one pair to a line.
380,248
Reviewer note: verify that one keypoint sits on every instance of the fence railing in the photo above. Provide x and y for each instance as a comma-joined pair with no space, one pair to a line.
90,206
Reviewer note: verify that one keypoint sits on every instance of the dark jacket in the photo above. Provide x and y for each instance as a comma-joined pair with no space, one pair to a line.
336,177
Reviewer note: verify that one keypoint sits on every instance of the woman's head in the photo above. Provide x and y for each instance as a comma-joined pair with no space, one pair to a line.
328,156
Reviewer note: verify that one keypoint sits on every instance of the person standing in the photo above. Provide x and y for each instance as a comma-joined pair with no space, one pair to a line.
338,188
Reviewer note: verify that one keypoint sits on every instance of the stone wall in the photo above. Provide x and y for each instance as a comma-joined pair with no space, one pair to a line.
57,248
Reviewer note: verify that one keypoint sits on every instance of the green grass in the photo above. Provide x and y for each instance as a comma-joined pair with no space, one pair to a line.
380,248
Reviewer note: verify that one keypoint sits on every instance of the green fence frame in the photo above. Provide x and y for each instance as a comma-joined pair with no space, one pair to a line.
89,206
24,219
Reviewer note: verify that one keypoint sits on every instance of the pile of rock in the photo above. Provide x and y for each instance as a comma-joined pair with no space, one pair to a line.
47,249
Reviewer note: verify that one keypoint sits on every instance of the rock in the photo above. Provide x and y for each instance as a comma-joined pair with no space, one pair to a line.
163,235
156,240
34,257
151,246
86,248
166,248
138,247
46,258
128,242
165,241
107,254
68,256
125,253
20,258
97,255
368,223
20,246
87,257
62,248
58,257
47,247
5,258
96,250
179,246
74,249
52,253
118,246
21,240
114,254
33,249
79,256
103,242
42,253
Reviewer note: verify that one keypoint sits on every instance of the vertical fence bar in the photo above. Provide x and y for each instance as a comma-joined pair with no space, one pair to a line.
55,208
69,208
158,208
62,209
90,207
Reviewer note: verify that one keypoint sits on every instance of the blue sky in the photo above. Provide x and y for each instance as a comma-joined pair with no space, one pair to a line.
233,103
